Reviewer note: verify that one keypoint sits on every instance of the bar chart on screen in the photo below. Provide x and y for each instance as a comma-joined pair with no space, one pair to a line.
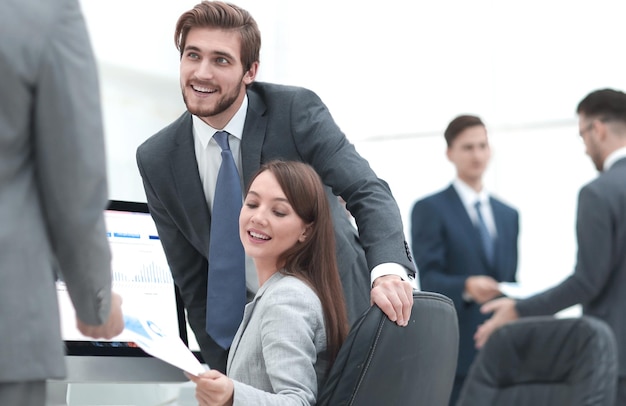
141,275
139,271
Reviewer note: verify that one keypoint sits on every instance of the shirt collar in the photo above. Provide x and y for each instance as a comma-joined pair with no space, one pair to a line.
204,132
468,195
613,157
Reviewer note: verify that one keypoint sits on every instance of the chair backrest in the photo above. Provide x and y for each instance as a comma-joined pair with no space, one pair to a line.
383,364
545,361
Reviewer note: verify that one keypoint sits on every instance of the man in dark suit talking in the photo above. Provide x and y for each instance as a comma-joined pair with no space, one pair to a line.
465,240
600,273
219,47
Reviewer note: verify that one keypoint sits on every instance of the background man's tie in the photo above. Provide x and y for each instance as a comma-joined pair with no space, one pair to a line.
485,237
226,286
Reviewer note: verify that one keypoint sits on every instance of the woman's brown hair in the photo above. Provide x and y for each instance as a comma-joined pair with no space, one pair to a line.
313,260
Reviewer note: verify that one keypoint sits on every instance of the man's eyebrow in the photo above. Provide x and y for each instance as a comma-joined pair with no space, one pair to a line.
218,53
225,54
192,48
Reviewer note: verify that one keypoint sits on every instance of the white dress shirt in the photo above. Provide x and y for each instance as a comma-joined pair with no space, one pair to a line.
469,197
613,157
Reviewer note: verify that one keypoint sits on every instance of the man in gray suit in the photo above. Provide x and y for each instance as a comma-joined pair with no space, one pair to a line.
52,194
219,46
600,274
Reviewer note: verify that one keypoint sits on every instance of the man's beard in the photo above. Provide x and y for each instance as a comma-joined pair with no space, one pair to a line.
223,103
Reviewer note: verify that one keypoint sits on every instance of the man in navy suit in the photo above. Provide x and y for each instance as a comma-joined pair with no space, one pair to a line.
465,241
600,274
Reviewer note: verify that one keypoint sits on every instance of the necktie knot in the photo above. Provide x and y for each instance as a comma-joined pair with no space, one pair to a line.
221,137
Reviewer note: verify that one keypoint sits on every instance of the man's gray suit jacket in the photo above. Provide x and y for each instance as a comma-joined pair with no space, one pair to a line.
599,276
52,184
286,123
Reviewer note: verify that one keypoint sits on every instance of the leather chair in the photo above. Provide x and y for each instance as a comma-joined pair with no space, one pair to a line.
545,361
383,364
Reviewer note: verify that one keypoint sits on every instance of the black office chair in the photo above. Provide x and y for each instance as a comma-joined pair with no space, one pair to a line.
382,364
545,361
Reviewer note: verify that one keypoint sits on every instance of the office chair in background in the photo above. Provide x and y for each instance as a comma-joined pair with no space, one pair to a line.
545,361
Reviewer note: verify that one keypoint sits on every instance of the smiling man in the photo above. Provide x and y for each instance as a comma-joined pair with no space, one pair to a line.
219,48
463,239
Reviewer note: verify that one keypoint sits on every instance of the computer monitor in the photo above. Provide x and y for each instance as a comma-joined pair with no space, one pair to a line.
143,279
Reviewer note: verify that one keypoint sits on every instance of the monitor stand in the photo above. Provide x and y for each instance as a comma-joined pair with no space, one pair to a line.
119,394
117,381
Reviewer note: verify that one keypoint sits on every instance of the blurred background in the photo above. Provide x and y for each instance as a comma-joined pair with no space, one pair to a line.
393,74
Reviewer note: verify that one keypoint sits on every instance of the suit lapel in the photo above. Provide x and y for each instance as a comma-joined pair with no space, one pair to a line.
248,312
466,225
188,184
460,213
253,136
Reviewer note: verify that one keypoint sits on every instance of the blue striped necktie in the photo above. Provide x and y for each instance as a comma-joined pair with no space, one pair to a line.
226,285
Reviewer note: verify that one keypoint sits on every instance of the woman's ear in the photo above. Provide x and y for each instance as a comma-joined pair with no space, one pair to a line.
305,233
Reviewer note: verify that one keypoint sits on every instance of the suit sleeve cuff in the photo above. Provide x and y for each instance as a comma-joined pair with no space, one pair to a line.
391,268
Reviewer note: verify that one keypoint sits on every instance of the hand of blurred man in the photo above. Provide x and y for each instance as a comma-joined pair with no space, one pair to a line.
112,327
482,288
503,310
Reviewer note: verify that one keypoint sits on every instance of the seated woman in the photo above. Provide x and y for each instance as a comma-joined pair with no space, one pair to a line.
292,330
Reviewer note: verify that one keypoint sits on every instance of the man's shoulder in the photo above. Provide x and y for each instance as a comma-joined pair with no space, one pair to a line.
273,91
434,205
437,197
613,178
608,186
500,204
167,134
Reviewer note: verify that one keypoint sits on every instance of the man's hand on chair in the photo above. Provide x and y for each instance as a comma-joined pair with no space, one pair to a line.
394,296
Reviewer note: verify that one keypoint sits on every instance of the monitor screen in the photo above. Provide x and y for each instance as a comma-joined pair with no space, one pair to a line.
143,279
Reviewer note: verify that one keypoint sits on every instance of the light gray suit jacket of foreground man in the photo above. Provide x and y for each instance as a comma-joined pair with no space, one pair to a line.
52,184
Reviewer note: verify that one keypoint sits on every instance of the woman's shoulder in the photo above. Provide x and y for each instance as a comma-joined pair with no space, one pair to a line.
288,289
282,282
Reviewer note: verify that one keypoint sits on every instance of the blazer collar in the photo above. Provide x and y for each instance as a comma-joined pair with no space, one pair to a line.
249,311
466,225
253,136
187,180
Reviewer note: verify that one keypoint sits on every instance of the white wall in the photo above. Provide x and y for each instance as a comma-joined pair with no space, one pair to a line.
393,74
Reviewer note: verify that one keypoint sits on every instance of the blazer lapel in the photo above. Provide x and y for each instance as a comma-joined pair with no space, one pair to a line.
248,312
466,225
249,309
189,186
253,136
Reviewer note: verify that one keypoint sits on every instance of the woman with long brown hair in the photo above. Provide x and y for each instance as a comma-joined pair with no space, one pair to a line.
294,327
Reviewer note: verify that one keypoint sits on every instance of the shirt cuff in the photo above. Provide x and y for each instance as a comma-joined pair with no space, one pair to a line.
391,268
